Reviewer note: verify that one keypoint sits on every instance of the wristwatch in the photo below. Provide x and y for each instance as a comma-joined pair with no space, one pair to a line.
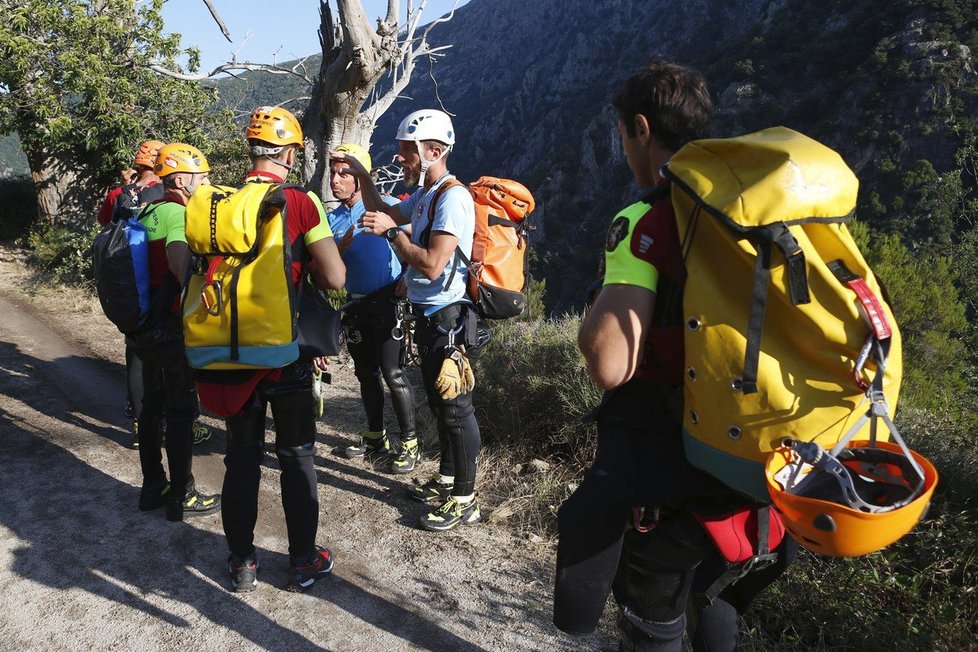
391,233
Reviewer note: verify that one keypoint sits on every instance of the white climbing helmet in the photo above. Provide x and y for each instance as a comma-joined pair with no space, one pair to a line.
427,124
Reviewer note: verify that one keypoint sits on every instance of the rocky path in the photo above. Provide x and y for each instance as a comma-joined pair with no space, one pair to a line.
82,568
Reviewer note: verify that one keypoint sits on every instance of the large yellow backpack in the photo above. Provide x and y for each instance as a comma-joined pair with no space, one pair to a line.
239,304
781,313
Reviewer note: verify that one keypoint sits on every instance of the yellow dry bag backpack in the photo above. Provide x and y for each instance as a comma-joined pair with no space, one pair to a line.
239,304
785,325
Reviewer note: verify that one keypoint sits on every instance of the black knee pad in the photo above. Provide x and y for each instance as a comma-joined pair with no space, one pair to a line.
634,630
248,456
395,378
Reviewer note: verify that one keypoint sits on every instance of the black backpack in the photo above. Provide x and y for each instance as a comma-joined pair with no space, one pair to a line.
120,257
133,199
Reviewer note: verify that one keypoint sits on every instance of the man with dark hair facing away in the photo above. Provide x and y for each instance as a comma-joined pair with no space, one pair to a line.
632,342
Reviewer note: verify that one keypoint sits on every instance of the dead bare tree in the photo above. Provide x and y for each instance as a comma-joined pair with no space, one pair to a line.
345,106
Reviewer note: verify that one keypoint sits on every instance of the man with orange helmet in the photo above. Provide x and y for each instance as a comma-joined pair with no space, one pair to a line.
274,138
139,190
143,189
632,343
168,384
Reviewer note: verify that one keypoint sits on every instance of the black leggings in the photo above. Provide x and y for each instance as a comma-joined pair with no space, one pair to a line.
169,388
377,354
134,378
459,438
295,439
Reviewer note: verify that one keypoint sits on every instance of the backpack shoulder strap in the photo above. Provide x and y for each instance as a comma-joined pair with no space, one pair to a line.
426,234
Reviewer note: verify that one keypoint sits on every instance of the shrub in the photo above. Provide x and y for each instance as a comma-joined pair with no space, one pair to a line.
534,391
63,255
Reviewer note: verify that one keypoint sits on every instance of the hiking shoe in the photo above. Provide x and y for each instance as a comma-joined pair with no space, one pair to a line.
130,411
243,572
201,433
305,575
154,498
431,491
451,514
371,443
195,504
407,458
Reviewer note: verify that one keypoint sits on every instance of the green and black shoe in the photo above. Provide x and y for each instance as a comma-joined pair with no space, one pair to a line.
451,514
431,491
408,456
372,442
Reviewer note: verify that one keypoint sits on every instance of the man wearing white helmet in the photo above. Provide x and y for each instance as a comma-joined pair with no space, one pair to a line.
442,217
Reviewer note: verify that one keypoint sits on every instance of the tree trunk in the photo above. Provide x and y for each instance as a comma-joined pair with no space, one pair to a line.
64,195
355,57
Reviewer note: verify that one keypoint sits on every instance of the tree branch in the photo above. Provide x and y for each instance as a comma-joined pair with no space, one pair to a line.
232,66
217,19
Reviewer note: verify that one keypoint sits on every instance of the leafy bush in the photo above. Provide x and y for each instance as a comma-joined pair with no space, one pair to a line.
63,255
534,392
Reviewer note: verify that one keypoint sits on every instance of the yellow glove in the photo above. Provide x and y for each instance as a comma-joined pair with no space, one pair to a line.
468,378
317,391
449,381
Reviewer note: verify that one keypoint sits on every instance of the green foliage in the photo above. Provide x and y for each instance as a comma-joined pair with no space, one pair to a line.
932,319
534,391
63,255
77,79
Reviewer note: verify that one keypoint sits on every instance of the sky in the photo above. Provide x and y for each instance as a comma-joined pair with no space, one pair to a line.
256,27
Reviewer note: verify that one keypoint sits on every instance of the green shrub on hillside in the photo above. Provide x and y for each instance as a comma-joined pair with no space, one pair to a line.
62,254
534,392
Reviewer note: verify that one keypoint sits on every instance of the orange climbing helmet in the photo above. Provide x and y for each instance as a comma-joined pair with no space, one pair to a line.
180,157
147,153
274,125
851,501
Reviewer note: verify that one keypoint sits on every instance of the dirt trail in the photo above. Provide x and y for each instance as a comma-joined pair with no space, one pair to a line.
81,567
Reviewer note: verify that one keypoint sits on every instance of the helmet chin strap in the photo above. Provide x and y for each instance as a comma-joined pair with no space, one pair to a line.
426,164
269,153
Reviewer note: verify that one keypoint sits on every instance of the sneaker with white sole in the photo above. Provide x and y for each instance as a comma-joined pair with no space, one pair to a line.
451,514
304,575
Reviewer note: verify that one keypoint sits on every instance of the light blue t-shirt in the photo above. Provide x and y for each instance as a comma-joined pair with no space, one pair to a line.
370,261
455,214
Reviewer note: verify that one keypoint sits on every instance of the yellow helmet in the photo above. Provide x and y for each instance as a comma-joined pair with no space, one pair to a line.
147,153
357,152
274,125
180,157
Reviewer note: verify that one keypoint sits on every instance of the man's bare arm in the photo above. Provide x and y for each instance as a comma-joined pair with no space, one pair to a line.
612,337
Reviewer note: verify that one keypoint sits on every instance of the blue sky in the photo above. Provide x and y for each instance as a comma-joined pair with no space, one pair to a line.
256,27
